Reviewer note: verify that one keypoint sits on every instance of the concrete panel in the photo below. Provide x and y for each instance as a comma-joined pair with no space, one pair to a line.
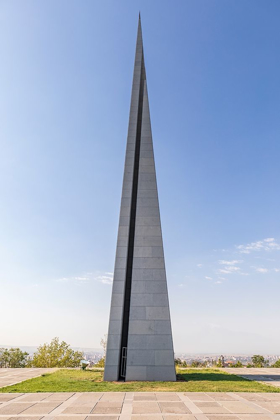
146,121
150,342
120,263
148,241
142,251
141,327
147,185
146,138
147,202
130,153
118,287
146,161
130,146
134,98
142,274
129,161
159,342
137,312
133,118
161,373
159,274
117,299
157,312
128,169
127,185
147,211
146,129
111,373
128,176
131,139
136,373
147,231
157,252
149,299
138,287
162,327
125,202
140,357
112,357
164,358
123,231
116,313
138,342
125,212
156,286
148,221
115,327
157,262
126,193
147,177
149,286
119,274
146,154
121,252
148,252
146,146
160,299
148,194
132,126
122,241
113,342
141,299
147,168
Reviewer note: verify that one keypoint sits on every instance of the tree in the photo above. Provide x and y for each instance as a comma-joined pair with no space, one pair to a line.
179,362
17,358
220,363
56,354
195,364
103,343
276,364
13,358
100,363
237,364
258,361
3,358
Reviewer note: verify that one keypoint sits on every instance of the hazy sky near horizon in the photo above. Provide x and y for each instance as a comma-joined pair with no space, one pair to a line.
65,82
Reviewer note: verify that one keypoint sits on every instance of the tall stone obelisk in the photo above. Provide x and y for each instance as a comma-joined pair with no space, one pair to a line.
140,346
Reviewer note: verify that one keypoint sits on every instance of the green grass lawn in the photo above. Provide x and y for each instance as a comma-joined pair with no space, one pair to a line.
194,380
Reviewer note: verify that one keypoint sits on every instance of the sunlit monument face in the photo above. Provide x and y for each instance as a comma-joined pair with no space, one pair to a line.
140,346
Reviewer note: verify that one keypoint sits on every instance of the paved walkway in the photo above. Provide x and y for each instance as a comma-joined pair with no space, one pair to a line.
140,406
14,376
269,376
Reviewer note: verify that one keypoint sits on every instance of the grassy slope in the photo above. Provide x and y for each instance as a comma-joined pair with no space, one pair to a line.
200,380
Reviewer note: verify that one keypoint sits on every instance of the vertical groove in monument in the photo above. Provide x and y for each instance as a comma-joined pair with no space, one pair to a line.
131,232
139,325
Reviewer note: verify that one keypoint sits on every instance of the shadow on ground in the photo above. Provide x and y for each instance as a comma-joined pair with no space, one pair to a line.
209,376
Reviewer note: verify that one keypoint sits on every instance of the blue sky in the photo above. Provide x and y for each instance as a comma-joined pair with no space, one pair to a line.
65,82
